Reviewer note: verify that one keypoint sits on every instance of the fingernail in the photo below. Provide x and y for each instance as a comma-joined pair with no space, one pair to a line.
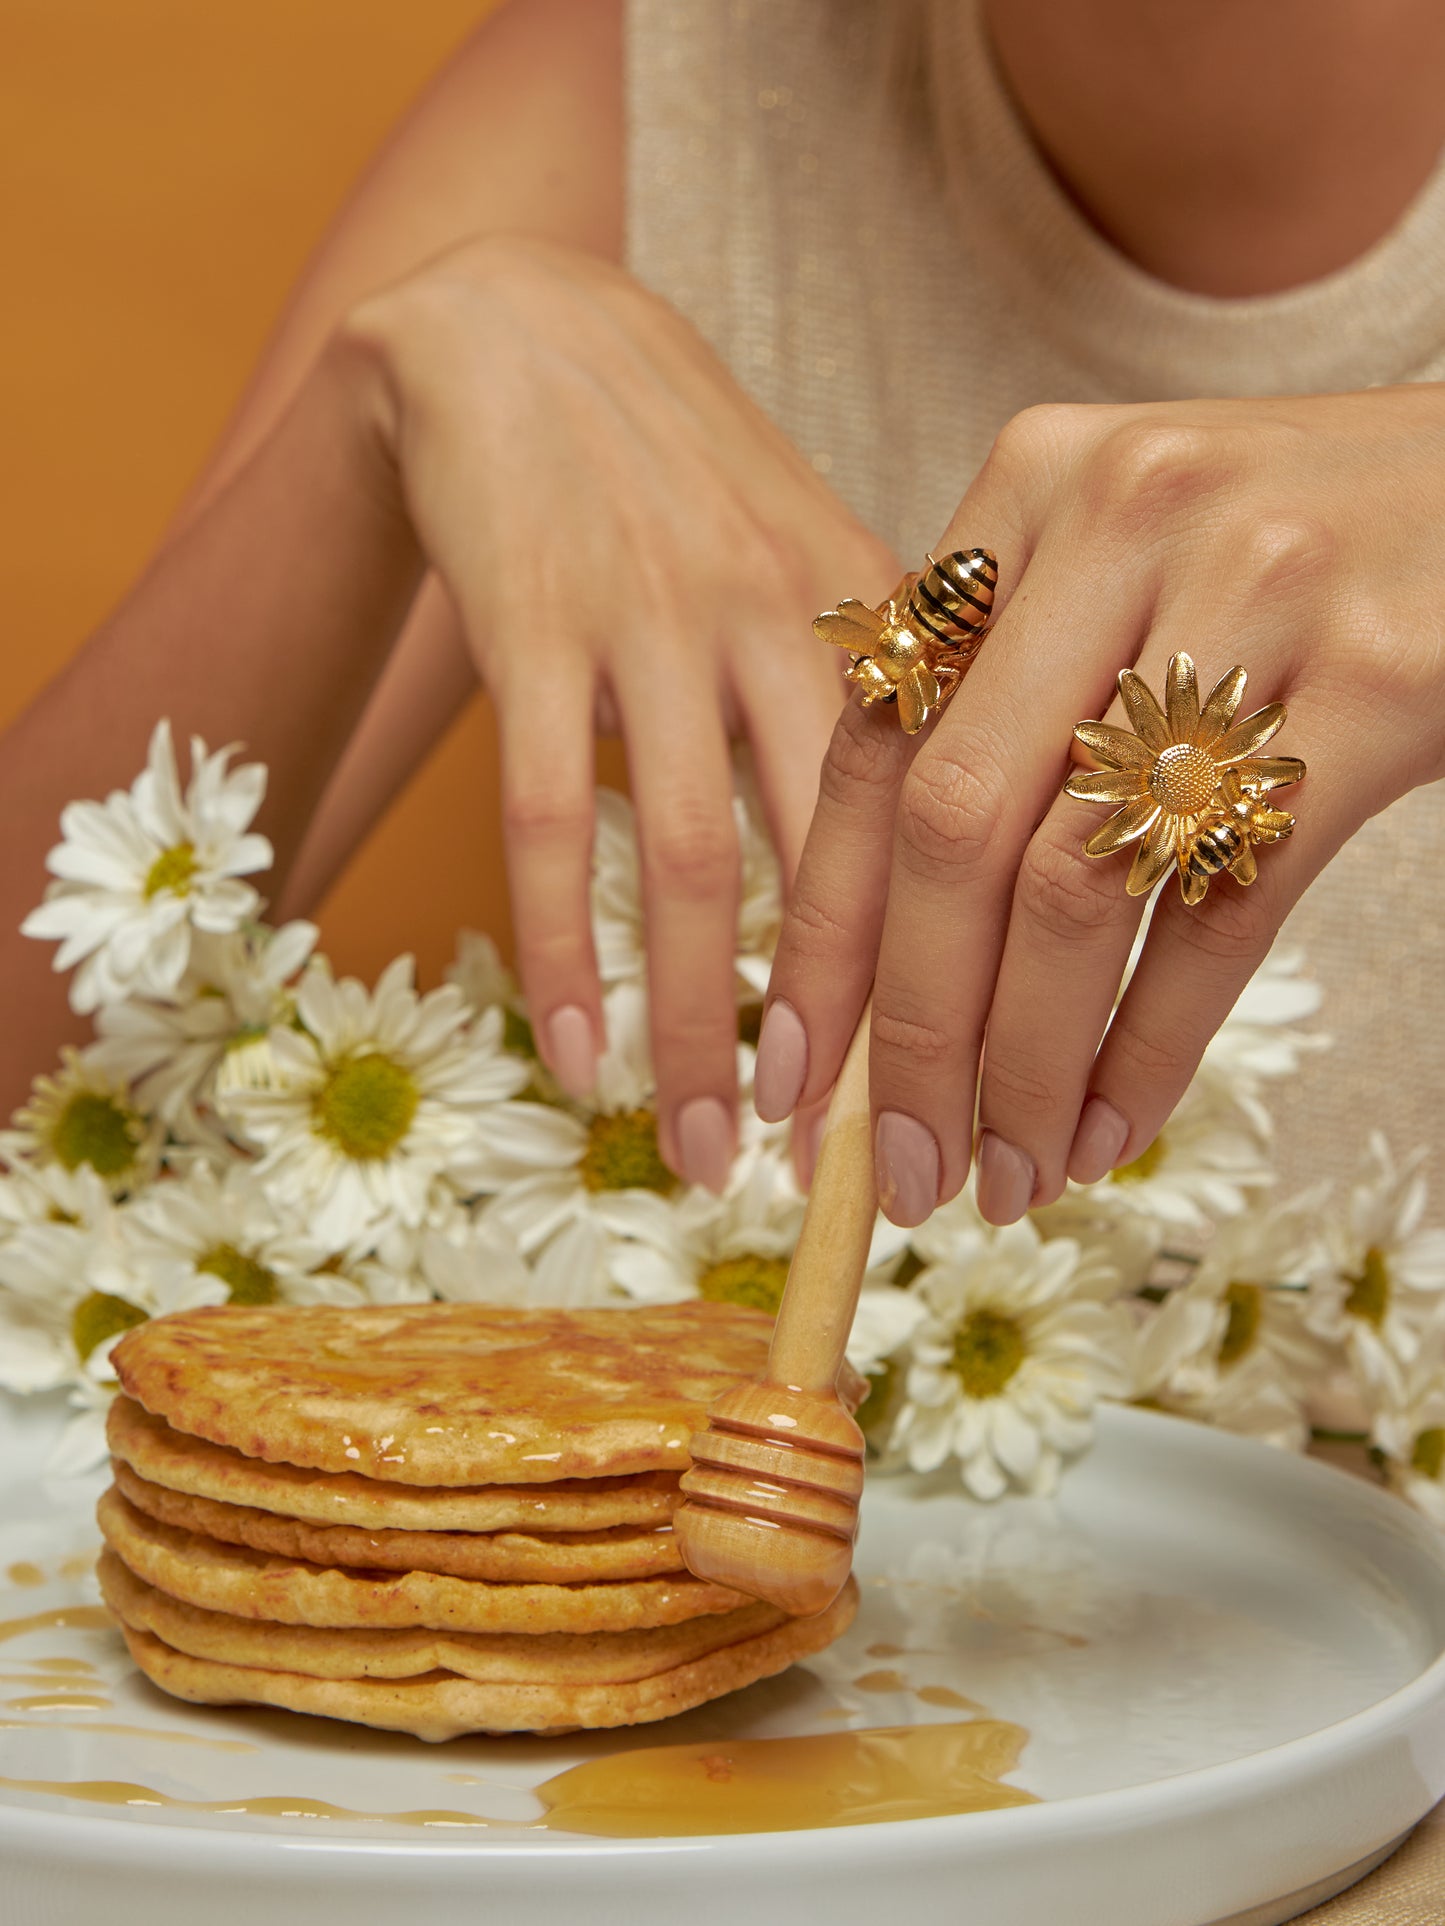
572,1050
906,1156
807,1137
1006,1179
1098,1142
705,1142
782,1063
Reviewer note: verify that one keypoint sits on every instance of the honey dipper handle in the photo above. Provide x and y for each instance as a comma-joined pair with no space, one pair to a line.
827,1268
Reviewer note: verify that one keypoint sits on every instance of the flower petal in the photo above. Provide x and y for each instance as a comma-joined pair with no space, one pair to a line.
1218,711
1131,822
1144,711
1107,785
1270,772
1115,748
1251,734
1181,692
1152,858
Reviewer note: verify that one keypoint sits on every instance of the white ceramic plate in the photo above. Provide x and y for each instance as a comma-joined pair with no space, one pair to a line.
1228,1661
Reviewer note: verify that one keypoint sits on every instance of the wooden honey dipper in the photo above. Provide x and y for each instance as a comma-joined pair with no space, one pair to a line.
771,1501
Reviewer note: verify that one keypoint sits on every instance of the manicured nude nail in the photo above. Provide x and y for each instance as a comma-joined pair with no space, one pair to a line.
906,1155
572,1050
782,1063
1006,1179
704,1131
1098,1142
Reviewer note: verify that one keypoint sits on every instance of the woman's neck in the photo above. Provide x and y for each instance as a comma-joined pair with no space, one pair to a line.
1227,146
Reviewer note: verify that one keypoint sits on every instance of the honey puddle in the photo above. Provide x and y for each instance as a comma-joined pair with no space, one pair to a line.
90,1617
58,1665
891,1681
59,1702
132,1732
677,1791
25,1574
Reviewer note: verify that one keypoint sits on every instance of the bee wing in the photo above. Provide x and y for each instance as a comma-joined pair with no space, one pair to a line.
852,625
1244,868
918,692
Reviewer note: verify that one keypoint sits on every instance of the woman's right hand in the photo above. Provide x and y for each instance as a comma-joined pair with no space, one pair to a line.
630,544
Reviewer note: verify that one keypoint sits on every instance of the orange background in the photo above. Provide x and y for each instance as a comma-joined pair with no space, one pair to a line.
167,166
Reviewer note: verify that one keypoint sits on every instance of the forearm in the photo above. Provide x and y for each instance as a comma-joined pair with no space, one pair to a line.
267,620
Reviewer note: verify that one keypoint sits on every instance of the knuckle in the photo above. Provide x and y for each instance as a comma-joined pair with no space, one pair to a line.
907,1040
1280,554
1017,1087
814,931
694,852
862,757
950,811
1062,893
1146,1058
1143,469
545,813
1228,928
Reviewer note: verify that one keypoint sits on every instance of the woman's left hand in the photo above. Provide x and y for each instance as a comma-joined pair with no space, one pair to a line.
1302,538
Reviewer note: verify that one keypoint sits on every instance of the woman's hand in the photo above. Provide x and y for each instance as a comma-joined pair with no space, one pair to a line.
629,543
1301,538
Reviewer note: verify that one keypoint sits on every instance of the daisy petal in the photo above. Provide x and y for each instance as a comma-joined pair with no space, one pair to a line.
1270,772
1131,822
1152,858
1107,785
1181,690
1251,734
1115,748
1218,711
1144,711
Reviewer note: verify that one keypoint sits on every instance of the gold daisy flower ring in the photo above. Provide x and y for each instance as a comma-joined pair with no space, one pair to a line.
916,649
1190,786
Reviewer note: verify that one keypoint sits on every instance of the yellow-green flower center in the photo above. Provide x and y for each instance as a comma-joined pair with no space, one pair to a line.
173,870
1183,778
987,1351
247,1280
622,1154
96,1129
1369,1296
1245,1303
99,1316
1141,1167
750,1023
882,1389
366,1106
755,1281
1428,1457
517,1034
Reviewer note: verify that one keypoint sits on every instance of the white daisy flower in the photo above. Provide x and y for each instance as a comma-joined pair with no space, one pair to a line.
225,1225
1258,1040
1408,1422
214,1033
83,1118
732,1249
140,872
375,1100
1206,1163
1013,1355
1383,1278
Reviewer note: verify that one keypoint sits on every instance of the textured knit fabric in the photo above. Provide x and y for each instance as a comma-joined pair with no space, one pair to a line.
893,299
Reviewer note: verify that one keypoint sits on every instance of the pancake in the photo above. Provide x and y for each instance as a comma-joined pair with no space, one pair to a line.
502,1658
251,1584
446,1394
504,1557
182,1463
441,1706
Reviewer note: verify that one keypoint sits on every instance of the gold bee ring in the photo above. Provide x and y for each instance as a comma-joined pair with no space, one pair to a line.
1191,786
915,649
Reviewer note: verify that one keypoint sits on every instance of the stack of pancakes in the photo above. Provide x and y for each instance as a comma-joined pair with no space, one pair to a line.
436,1518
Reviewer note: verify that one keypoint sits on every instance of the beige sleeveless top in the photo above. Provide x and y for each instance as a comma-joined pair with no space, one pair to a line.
892,302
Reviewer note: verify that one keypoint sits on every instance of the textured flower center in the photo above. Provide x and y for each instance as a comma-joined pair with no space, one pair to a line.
987,1351
95,1129
1369,1297
1183,778
247,1280
754,1281
622,1154
517,1034
366,1106
99,1316
1139,1169
173,870
1245,1304
1428,1457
